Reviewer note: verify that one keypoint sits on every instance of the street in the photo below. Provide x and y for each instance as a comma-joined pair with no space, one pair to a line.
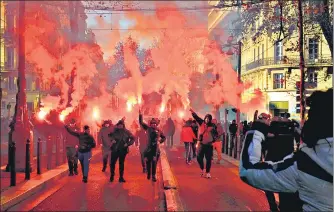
223,192
137,194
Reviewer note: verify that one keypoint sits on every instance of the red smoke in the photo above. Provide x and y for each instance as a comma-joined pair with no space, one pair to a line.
179,50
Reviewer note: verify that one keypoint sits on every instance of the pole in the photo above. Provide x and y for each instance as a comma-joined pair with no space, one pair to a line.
302,62
12,164
239,103
39,156
28,168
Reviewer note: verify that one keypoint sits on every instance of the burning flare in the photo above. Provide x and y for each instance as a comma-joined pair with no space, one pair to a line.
41,115
96,113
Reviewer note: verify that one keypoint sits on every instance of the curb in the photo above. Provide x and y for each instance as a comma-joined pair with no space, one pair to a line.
17,194
172,197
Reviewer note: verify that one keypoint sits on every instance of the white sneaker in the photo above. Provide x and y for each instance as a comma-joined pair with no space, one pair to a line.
208,175
202,173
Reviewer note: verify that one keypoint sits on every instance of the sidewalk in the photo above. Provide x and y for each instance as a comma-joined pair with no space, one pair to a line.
223,192
26,188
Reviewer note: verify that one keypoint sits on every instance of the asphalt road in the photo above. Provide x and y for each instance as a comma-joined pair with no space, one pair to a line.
223,192
137,194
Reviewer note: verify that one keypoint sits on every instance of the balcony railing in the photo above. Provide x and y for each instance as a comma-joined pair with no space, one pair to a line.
287,61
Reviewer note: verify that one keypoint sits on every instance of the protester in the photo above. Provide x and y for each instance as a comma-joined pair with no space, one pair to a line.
86,143
142,136
233,132
309,171
71,151
187,136
217,145
103,137
207,136
152,151
121,140
194,127
169,130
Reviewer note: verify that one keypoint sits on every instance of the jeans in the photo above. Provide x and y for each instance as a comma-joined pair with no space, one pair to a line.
151,164
218,147
193,146
84,161
105,154
207,151
271,201
170,140
72,159
187,146
142,157
113,159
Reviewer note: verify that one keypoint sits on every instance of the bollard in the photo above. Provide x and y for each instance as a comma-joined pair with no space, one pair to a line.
28,168
57,151
236,147
12,164
39,156
49,152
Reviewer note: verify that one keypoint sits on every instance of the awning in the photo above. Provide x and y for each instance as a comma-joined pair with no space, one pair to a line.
279,105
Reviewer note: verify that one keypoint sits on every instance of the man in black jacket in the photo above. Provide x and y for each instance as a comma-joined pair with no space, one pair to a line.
121,140
152,151
194,127
208,135
86,143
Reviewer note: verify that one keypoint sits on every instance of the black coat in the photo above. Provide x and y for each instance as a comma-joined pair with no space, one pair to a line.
122,137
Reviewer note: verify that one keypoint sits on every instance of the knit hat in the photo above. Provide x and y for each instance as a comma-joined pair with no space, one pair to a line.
120,122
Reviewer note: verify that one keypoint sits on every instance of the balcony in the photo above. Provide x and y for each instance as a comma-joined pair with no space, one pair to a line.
287,62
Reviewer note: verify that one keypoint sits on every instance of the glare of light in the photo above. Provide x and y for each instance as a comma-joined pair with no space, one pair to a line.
41,115
62,117
96,113
128,106
139,100
181,114
162,108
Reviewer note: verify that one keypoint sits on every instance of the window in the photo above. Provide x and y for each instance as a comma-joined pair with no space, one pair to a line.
313,77
3,105
278,51
10,57
313,46
258,52
262,51
11,83
254,53
30,106
278,81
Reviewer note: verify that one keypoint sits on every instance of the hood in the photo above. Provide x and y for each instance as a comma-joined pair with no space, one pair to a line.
322,155
208,116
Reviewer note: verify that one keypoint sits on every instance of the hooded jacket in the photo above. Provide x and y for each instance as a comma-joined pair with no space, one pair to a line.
103,136
308,171
122,137
71,140
86,141
153,135
187,134
207,132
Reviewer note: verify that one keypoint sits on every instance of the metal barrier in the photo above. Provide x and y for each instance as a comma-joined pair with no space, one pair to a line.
12,164
27,167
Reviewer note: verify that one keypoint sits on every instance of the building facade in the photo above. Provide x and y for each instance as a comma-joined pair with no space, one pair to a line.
273,68
35,89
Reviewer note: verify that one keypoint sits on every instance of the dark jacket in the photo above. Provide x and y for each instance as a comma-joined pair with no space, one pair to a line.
72,141
233,129
153,136
122,137
207,132
103,136
86,141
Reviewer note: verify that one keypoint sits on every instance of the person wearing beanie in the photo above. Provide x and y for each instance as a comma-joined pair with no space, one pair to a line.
104,139
207,135
121,140
86,143
152,151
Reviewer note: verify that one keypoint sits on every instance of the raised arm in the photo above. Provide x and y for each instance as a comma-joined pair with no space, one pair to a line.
141,122
72,132
269,176
196,117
